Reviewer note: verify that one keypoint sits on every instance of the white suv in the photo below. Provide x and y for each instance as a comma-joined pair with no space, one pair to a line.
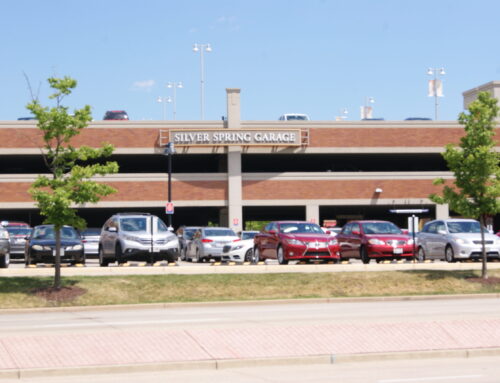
136,236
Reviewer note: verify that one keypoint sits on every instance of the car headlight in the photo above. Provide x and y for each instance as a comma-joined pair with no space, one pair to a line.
37,247
131,238
410,242
293,241
376,241
237,247
461,241
75,247
332,241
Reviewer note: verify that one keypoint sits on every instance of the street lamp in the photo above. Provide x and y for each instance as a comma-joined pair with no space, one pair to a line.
366,109
202,48
169,151
174,86
165,101
436,87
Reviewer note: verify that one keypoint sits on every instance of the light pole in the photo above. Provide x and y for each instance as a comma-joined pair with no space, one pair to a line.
164,100
366,109
202,48
436,87
169,151
174,86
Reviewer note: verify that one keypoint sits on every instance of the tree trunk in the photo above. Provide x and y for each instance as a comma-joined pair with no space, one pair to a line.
484,271
57,260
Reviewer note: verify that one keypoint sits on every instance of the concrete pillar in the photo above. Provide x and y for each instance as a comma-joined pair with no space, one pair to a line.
312,213
442,211
235,189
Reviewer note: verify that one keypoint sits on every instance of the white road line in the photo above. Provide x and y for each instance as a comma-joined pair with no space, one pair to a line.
430,378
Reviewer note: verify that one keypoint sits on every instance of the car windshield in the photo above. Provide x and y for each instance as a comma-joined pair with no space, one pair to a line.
91,232
219,233
47,232
464,227
133,224
247,235
381,228
296,117
293,228
160,225
19,231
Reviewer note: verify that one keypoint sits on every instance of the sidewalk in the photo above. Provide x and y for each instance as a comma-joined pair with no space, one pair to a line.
151,350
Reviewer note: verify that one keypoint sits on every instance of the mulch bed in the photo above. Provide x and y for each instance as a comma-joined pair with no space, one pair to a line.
491,281
64,294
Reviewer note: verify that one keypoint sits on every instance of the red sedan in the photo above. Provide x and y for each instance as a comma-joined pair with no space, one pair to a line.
378,240
294,240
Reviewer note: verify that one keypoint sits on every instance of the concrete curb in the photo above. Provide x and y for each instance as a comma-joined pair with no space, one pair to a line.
245,363
166,305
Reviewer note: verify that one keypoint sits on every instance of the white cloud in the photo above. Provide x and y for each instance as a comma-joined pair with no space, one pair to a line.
145,85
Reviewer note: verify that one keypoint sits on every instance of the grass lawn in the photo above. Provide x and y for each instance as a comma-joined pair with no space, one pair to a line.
28,292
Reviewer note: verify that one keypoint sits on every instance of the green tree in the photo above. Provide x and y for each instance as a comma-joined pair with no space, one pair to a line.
475,164
70,183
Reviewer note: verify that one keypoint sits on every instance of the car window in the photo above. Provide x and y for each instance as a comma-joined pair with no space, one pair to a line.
440,226
300,228
18,230
219,232
93,231
69,233
464,227
381,228
133,224
160,225
247,235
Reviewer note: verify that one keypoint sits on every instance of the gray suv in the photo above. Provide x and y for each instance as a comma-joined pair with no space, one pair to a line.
455,239
136,236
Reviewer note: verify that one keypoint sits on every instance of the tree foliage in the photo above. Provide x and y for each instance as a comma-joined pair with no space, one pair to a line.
71,169
475,164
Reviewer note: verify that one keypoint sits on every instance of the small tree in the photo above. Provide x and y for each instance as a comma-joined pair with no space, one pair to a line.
475,164
70,181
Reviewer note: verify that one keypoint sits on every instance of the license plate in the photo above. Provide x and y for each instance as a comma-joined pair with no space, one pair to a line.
398,250
54,252
156,249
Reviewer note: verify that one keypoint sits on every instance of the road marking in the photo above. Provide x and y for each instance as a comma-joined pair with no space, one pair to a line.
430,378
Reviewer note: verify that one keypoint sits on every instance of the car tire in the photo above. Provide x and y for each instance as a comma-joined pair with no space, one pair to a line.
364,255
103,261
421,254
5,261
449,255
255,255
119,254
248,255
281,256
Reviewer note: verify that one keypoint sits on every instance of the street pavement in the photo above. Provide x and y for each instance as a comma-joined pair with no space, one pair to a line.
179,337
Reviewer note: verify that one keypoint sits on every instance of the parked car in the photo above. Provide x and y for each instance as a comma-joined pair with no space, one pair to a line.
455,239
371,239
185,234
4,248
208,243
294,117
14,224
115,115
136,236
18,235
41,246
240,251
294,240
90,238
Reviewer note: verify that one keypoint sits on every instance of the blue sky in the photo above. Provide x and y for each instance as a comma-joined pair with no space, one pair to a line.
309,56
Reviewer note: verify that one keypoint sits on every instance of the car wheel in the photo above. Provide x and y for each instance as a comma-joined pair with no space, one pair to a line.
103,262
255,256
364,255
119,254
5,261
281,256
248,255
421,254
449,255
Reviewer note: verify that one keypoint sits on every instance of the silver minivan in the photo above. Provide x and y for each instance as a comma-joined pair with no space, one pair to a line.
455,239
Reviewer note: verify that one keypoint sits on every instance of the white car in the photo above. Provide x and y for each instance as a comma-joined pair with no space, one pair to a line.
242,250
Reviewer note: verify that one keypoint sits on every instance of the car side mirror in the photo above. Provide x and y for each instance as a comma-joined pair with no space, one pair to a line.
112,229
443,232
355,232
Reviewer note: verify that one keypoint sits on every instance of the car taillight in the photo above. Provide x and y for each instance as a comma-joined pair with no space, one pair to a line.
206,240
236,240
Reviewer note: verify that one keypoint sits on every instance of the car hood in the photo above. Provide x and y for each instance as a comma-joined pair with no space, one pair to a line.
308,237
474,236
147,235
52,242
399,237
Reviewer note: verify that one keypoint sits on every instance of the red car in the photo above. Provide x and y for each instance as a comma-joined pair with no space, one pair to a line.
294,240
379,240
